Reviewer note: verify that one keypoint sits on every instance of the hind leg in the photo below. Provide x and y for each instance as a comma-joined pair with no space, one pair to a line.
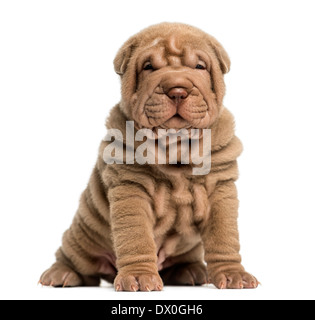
60,274
191,274
64,274
186,269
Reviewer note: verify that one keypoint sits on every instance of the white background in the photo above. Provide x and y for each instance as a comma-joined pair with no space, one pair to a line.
57,86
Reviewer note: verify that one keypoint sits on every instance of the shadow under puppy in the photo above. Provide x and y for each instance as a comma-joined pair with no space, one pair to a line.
145,226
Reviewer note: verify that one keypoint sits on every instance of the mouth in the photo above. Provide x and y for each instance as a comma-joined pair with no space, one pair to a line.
176,122
177,116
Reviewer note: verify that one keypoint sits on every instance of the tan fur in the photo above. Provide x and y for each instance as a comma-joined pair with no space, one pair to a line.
140,226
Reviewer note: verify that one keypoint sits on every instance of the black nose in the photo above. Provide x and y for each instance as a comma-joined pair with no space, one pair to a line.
177,94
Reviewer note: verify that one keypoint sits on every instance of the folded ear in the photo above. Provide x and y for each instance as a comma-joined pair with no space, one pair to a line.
123,56
224,60
220,65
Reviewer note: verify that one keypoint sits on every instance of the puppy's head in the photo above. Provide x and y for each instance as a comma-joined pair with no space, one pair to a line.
172,77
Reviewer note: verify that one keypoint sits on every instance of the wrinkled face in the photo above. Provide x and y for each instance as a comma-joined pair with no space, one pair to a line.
172,81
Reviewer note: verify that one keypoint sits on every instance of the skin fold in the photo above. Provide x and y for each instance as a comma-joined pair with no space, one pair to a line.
145,226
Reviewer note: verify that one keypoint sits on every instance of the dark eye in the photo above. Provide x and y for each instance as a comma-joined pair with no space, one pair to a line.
200,67
148,67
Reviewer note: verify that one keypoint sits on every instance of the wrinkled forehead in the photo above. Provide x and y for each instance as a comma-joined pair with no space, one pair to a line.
173,50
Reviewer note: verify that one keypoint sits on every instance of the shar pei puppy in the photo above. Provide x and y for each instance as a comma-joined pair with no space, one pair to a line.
141,225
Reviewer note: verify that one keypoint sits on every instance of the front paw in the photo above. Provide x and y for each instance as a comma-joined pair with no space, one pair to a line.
234,280
144,282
